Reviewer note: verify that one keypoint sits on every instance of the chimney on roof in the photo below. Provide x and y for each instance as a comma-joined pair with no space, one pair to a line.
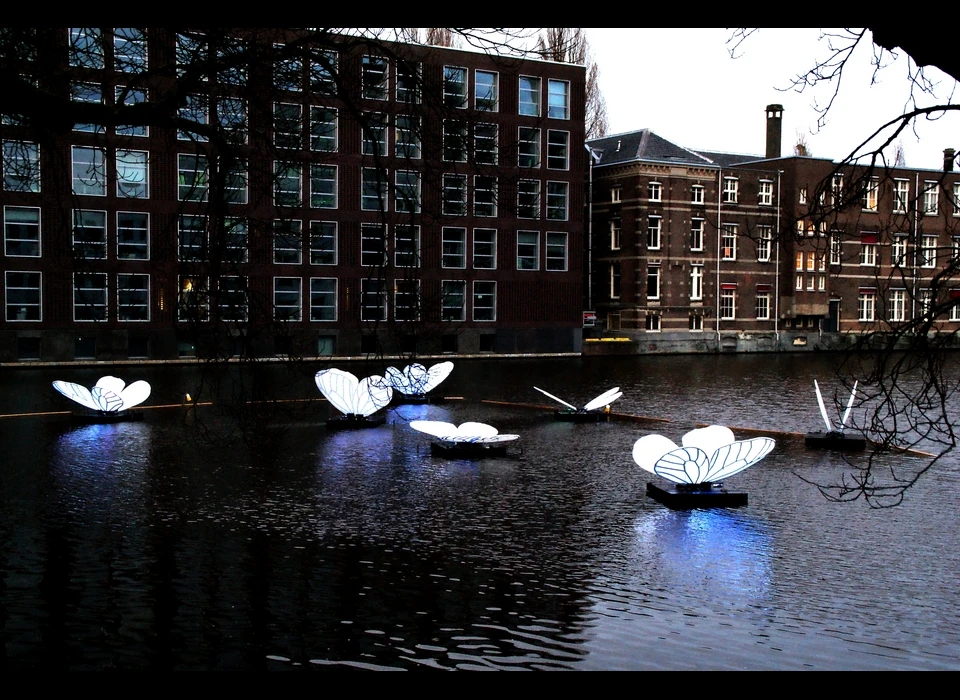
948,158
774,130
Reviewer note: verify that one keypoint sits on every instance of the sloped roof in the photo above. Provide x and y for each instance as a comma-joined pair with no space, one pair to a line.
644,145
728,160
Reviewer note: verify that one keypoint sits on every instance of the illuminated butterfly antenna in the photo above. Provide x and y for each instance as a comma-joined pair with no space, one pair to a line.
846,414
823,409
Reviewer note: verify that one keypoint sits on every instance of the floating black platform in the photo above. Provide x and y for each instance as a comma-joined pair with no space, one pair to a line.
707,495
355,422
95,417
399,398
467,450
835,441
569,416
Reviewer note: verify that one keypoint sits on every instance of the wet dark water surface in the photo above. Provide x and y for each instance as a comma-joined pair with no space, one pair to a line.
174,544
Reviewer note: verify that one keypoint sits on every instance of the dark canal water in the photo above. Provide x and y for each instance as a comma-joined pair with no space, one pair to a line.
174,544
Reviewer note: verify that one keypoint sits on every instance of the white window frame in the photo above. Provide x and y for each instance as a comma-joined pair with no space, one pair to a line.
130,292
898,250
528,251
766,193
376,290
556,88
871,190
406,136
89,175
11,226
654,279
293,315
485,249
558,149
901,196
406,246
556,251
489,101
764,243
614,234
866,306
406,300
697,194
16,311
528,147
406,191
482,288
85,248
655,191
288,125
485,188
528,199
324,130
654,232
529,99
453,242
763,306
696,283
372,87
454,195
317,294
696,234
898,305
455,91
132,165
728,304
728,234
374,190
868,254
191,252
452,290
731,190
91,306
287,242
931,198
285,175
21,166
558,198
373,245
324,242
928,251
320,178
193,177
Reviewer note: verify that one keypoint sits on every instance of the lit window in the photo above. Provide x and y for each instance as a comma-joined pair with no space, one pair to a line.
194,299
323,299
799,265
132,174
287,298
374,77
21,232
22,297
323,243
803,195
89,171
287,242
558,99
528,250
453,304
529,96
133,297
90,234
21,166
556,251
485,249
455,86
868,199
484,301
89,296
454,246
486,91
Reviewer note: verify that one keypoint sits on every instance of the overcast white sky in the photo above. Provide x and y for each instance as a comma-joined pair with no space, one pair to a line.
683,85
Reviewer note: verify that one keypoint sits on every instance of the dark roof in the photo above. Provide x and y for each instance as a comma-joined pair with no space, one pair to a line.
728,160
643,145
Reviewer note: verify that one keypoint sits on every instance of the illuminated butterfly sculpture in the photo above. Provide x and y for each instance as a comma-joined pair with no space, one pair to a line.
467,440
605,399
108,395
416,380
707,455
353,397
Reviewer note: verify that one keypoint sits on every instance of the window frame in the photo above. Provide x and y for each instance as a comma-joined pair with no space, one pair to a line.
12,311
528,251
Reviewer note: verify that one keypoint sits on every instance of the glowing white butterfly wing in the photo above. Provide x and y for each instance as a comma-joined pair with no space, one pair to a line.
77,393
846,414
396,379
606,398
436,428
112,384
436,375
135,394
339,388
106,400
709,439
416,378
734,458
685,465
372,394
823,409
467,432
648,450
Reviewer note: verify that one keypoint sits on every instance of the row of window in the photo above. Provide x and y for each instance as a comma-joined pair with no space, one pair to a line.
870,195
897,304
730,192
24,290
728,238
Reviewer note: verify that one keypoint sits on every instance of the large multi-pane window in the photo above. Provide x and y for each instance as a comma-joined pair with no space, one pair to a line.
373,300
558,149
323,129
407,136
408,82
287,241
323,243
931,198
232,117
454,194
528,250
89,296
233,298
406,245
89,93
529,96
484,301
374,77
373,190
763,305
132,174
323,299
655,191
728,302
654,230
407,191
615,234
193,302
454,247
898,305
235,183
89,171
696,234
129,50
287,298
866,305
374,130
728,241
455,86
484,195
485,249
899,249
323,186
85,47
528,199
901,196
528,147
286,184
928,251
558,99
696,282
21,166
731,190
287,125
128,96
697,194
193,178
236,233
133,297
556,251
21,232
323,70
486,92
192,238
766,193
453,304
90,234
23,296
835,241
868,197
373,245
764,243
196,109
557,200
485,144
614,280
868,250
406,300
454,141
